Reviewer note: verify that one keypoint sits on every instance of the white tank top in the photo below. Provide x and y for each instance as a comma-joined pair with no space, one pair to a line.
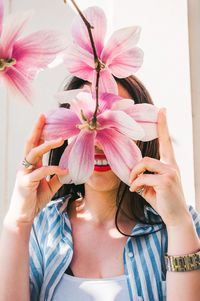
72,288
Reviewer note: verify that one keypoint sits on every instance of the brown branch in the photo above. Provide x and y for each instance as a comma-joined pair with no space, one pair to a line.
97,62
94,117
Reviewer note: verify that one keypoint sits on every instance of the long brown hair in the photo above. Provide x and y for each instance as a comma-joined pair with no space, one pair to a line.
149,149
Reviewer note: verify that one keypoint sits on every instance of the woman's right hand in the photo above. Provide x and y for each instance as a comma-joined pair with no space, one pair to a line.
32,191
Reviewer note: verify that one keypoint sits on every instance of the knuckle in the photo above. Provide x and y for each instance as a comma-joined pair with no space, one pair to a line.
54,169
172,174
34,155
146,160
170,178
45,170
167,181
33,152
48,169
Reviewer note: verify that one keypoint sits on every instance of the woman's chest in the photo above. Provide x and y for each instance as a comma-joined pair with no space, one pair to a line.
97,254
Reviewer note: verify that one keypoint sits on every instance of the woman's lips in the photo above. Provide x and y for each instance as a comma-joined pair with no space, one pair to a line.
99,156
101,168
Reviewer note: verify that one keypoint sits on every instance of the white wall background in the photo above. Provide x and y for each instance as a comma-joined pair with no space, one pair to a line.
194,42
165,73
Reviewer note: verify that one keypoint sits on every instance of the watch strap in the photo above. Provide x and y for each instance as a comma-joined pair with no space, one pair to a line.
184,263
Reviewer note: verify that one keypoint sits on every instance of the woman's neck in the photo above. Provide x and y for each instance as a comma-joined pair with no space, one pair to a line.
99,208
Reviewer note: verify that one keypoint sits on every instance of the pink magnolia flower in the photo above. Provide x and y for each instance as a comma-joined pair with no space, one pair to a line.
115,131
120,57
21,59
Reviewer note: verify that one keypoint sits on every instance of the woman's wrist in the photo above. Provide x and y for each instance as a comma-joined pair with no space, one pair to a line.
14,224
183,238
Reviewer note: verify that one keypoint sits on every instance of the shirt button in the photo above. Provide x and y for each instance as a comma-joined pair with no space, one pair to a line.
130,254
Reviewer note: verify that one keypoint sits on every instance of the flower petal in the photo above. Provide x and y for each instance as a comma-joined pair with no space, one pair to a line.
65,179
11,30
18,85
107,100
61,123
65,156
124,105
121,41
1,15
107,83
97,19
81,158
122,122
83,102
38,50
126,63
68,95
79,100
121,152
64,162
144,114
79,62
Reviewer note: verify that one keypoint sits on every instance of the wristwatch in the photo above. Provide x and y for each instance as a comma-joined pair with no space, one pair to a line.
184,263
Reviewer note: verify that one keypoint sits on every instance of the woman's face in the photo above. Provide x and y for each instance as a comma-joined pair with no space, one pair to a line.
106,180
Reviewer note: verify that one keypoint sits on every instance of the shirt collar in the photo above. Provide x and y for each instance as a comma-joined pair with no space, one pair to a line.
61,203
153,223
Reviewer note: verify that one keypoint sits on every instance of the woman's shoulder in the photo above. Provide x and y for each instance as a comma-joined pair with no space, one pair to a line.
57,206
51,214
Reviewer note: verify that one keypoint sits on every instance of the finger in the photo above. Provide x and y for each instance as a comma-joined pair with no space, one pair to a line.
165,143
149,164
35,155
39,163
36,134
45,171
146,180
55,184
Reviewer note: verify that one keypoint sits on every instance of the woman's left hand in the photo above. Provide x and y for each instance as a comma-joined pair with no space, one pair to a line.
162,189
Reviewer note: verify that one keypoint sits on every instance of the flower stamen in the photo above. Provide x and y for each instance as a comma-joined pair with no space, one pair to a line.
83,116
89,125
83,126
99,65
5,63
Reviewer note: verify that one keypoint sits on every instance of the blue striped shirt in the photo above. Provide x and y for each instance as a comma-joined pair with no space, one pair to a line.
51,251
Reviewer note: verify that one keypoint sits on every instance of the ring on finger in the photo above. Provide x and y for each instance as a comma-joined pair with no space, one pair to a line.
140,191
27,164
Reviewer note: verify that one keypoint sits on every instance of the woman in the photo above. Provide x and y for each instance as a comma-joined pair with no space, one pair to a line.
100,240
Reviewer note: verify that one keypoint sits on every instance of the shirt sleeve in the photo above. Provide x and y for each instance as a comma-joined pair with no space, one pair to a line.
35,261
196,219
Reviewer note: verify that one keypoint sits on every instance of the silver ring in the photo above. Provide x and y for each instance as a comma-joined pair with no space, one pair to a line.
140,191
27,165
